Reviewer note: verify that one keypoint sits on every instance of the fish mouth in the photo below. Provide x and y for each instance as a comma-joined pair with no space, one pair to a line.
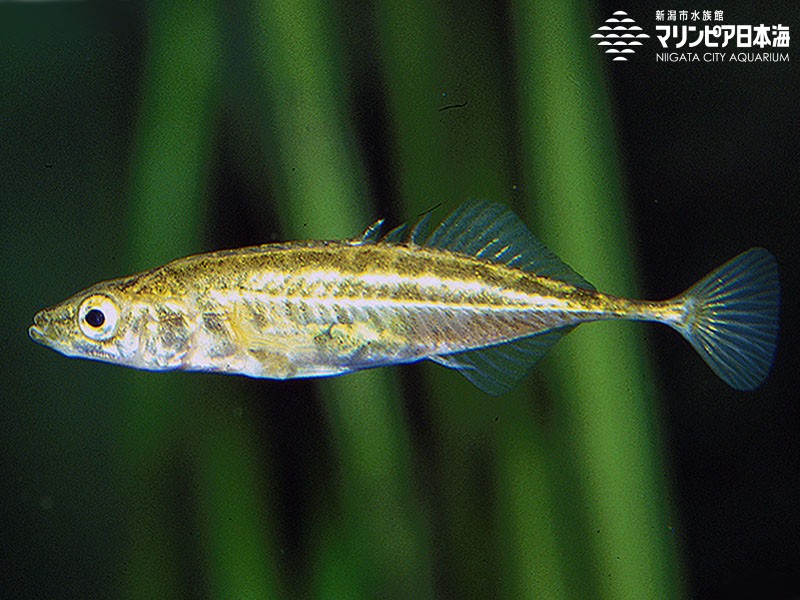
36,334
37,330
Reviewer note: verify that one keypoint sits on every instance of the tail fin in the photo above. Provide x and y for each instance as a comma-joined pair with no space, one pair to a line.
732,318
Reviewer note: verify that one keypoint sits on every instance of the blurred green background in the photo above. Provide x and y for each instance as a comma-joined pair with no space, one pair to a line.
131,134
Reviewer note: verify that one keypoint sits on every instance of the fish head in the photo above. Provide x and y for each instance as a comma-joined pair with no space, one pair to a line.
94,324
109,323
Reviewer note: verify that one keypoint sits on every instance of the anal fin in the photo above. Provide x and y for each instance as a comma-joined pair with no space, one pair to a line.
497,369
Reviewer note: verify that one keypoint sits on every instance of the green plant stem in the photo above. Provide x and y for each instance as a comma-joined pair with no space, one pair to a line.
381,529
168,198
604,382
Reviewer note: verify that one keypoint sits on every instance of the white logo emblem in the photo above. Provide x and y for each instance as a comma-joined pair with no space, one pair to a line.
619,33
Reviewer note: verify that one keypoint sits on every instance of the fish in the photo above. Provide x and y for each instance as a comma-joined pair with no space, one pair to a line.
479,294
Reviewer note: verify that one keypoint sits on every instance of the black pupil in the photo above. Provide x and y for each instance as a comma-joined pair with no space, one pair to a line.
95,317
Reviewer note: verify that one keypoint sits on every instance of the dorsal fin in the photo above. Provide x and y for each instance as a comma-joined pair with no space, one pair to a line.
492,232
497,369
396,235
488,231
372,233
421,231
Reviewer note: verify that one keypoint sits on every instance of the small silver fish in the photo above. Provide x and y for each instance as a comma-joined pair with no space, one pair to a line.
479,294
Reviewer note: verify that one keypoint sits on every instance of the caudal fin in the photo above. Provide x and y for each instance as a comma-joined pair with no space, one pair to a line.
732,318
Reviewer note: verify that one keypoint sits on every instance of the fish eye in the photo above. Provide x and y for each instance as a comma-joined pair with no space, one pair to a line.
95,317
98,317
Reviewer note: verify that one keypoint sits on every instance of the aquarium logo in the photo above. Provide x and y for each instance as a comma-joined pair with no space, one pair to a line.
695,36
619,36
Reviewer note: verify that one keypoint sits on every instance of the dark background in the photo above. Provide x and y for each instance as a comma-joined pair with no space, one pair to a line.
709,154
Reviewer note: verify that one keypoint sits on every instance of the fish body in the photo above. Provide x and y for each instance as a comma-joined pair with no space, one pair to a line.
479,294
